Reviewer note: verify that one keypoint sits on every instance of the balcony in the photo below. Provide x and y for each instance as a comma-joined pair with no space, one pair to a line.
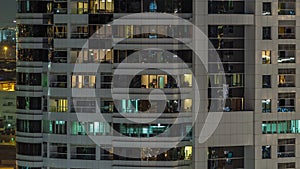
287,7
286,29
58,81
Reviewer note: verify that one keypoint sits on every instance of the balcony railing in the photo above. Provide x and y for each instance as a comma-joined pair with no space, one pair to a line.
286,35
58,84
286,12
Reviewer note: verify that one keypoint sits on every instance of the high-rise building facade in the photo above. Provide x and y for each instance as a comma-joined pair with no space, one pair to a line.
119,84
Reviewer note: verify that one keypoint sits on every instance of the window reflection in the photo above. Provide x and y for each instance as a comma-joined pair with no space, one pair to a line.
286,7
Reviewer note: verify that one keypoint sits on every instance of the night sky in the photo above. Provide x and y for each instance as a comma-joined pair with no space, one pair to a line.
7,12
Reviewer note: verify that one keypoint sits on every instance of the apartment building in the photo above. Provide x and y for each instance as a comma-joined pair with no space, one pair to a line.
93,75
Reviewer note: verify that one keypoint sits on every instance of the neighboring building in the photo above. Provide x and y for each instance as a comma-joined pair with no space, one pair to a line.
7,157
7,43
8,34
257,46
8,105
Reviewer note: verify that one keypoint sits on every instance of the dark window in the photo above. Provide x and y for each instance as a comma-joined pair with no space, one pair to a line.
29,126
21,102
267,8
31,79
226,7
33,6
286,102
45,148
86,153
225,157
106,152
33,55
106,80
26,167
266,81
266,33
34,30
286,148
168,6
286,53
32,103
266,106
59,56
29,149
100,18
35,103
286,165
266,152
58,150
60,7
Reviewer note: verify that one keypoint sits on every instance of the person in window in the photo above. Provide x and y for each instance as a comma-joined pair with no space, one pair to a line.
153,6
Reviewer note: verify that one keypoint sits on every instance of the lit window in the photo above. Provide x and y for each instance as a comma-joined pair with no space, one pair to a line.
266,57
286,29
286,77
83,81
58,105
